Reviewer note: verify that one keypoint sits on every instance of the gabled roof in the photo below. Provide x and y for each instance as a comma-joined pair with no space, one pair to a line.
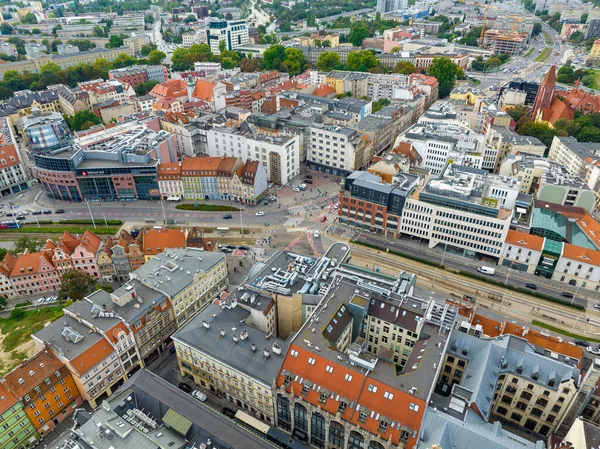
32,263
204,90
33,372
8,156
581,254
7,398
522,239
157,240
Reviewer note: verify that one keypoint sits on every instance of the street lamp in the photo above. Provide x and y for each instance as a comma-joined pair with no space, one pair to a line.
90,211
575,295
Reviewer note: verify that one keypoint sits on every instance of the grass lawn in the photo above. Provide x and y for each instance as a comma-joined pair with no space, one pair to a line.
529,52
15,334
547,38
60,229
207,207
544,55
563,332
596,74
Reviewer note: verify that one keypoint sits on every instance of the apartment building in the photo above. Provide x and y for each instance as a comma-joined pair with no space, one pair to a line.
280,155
127,255
525,388
135,75
46,389
466,209
13,177
232,359
6,287
509,143
169,180
571,154
199,178
233,33
337,150
76,253
17,431
367,203
34,273
189,278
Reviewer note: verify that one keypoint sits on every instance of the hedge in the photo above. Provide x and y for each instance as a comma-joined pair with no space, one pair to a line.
563,332
207,207
526,291
97,220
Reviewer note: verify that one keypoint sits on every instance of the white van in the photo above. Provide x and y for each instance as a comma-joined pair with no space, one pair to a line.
486,270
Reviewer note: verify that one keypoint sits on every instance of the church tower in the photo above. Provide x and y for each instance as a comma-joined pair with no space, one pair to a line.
545,94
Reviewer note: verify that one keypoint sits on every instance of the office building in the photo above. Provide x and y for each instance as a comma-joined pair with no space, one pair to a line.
593,24
280,155
366,203
135,75
232,33
465,209
337,150
506,42
384,6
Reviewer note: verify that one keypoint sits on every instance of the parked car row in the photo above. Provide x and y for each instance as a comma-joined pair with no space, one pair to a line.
47,300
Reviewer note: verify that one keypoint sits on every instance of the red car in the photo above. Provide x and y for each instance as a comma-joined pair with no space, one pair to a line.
323,219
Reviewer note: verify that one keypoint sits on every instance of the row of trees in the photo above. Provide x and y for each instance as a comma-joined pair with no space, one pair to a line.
52,74
567,74
480,65
585,127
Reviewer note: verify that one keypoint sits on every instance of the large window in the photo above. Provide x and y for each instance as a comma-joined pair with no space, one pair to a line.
355,440
300,420
283,413
336,434
317,430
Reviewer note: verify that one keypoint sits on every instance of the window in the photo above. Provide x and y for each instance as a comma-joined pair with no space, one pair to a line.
389,396
348,377
516,417
413,407
294,353
362,416
329,369
311,361
373,388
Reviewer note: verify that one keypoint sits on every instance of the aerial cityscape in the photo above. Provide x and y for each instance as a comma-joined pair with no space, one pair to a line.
255,224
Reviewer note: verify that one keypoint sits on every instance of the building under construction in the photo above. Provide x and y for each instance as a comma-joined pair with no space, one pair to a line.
508,42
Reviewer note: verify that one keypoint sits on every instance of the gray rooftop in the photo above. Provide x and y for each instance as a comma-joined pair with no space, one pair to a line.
240,355
176,268
472,433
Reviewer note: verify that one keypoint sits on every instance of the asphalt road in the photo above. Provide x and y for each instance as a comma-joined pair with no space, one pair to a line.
425,253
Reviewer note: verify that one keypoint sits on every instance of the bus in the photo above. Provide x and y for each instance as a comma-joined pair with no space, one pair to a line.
222,229
10,225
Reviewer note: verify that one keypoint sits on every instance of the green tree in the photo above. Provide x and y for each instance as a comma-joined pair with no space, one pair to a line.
273,57
584,17
51,67
123,60
190,18
83,120
156,57
327,61
82,44
180,60
26,242
147,48
145,87
76,285
492,62
222,46
101,67
379,104
19,43
115,41
106,287
362,61
248,64
404,67
358,33
294,61
3,303
537,29
517,112
29,18
444,70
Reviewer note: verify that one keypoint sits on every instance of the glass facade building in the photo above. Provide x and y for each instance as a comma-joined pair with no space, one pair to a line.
46,133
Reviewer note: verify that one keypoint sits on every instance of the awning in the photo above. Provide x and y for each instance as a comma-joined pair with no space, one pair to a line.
177,422
405,429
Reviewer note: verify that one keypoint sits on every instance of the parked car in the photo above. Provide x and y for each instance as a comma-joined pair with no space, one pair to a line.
59,211
41,300
531,286
230,246
597,306
20,217
10,214
185,387
226,250
296,189
47,211
259,213
567,295
581,343
317,234
199,395
308,176
271,185
323,219
307,181
244,247
302,186
227,217
228,412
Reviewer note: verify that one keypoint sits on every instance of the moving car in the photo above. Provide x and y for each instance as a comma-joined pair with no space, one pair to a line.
597,306
531,286
317,234
323,219
227,217
486,270
259,213
185,387
199,395
59,211
581,343
47,211
36,212
20,217
567,295
244,247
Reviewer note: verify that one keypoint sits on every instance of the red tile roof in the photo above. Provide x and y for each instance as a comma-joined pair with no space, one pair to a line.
163,239
204,90
32,263
170,89
33,372
8,156
530,241
199,166
324,90
7,399
92,356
